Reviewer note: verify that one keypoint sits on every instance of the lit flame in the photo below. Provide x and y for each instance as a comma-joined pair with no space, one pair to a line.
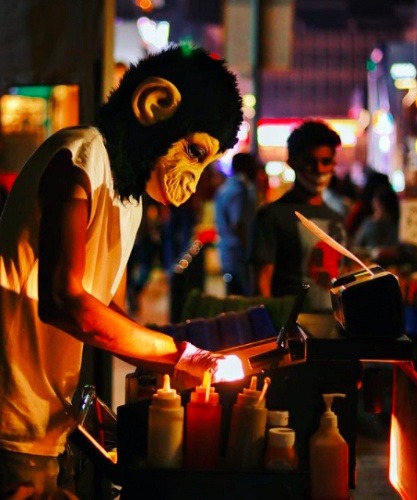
229,369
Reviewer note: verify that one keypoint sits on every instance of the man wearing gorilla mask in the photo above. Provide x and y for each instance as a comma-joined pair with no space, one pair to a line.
65,237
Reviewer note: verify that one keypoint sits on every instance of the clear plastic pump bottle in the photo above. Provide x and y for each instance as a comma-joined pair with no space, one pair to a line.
329,457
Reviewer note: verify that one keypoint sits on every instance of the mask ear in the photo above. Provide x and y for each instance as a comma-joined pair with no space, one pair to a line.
155,99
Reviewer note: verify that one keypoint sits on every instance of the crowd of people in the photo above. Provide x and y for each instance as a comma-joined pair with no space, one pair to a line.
264,250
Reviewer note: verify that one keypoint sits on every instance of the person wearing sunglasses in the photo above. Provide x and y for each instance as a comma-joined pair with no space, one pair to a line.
283,253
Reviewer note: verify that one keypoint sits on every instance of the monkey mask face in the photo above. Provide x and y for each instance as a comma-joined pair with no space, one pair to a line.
176,174
173,113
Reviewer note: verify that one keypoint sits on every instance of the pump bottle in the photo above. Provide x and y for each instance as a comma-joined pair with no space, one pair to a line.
166,428
329,458
202,427
246,441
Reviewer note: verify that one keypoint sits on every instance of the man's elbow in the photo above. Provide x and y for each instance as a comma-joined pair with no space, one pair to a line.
54,306
49,309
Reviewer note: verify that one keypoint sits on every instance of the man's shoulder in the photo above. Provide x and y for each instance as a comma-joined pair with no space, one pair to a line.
329,213
82,140
84,132
281,204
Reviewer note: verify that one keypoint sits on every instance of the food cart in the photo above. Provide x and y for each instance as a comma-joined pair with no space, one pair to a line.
317,358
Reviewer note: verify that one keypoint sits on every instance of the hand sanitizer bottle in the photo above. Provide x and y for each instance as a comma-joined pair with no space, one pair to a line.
329,457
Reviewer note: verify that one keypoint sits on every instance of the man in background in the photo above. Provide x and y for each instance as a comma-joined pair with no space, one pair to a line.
284,254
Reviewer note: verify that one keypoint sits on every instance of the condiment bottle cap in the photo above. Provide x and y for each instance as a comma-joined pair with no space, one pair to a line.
281,437
278,418
166,397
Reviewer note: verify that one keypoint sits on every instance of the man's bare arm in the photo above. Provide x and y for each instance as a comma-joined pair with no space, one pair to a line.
63,302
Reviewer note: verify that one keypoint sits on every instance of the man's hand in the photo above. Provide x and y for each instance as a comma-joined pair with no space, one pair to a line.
194,362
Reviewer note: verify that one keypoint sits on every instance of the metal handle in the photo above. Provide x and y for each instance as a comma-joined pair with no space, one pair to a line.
292,318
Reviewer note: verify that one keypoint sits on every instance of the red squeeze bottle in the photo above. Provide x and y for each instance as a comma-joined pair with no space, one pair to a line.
202,428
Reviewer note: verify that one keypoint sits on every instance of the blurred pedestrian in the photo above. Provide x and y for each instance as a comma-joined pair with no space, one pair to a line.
362,207
235,205
377,238
339,194
381,228
177,231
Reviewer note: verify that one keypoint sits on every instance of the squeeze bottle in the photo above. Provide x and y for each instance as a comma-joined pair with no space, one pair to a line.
202,427
329,458
166,428
245,445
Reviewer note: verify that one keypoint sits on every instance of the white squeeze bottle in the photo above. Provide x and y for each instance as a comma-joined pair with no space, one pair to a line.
329,457
166,428
246,441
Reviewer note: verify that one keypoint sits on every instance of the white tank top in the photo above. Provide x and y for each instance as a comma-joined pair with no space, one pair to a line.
39,364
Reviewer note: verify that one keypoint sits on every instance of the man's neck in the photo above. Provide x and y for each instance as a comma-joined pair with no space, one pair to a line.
305,196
